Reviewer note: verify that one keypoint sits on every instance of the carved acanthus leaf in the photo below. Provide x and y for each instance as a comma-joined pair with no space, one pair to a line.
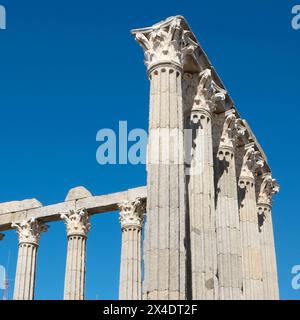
77,222
251,162
268,188
29,231
208,94
166,42
132,214
232,129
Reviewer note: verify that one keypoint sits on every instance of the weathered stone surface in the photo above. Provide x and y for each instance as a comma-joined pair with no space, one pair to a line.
77,225
208,233
15,206
78,193
267,189
161,235
165,46
201,189
97,204
131,219
251,250
227,212
29,232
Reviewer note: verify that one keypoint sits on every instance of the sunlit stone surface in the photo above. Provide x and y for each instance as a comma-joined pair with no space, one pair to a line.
207,206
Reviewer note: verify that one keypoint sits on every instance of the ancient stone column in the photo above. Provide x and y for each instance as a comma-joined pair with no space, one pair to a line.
78,226
227,212
268,187
132,219
201,188
251,253
29,232
165,46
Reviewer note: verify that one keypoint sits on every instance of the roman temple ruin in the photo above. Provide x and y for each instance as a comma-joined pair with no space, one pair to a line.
206,211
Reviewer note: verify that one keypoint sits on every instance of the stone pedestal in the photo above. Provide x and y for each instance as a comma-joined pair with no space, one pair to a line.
227,212
29,232
268,188
78,226
201,191
165,46
251,252
131,218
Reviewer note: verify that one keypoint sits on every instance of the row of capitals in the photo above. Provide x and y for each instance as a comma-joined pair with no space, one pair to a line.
171,42
253,164
77,222
252,169
132,213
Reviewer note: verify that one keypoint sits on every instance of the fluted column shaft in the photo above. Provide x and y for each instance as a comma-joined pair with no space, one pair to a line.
201,192
29,234
252,264
166,46
25,274
78,226
270,279
227,212
268,188
75,268
251,252
202,216
165,229
131,218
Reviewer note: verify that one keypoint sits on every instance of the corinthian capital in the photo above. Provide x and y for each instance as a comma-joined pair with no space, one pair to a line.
132,214
168,41
207,96
77,222
268,188
29,231
232,129
251,162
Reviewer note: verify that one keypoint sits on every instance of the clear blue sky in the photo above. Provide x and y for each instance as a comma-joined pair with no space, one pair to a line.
70,68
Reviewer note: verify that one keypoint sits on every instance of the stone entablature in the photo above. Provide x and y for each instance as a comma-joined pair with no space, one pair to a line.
94,205
17,206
